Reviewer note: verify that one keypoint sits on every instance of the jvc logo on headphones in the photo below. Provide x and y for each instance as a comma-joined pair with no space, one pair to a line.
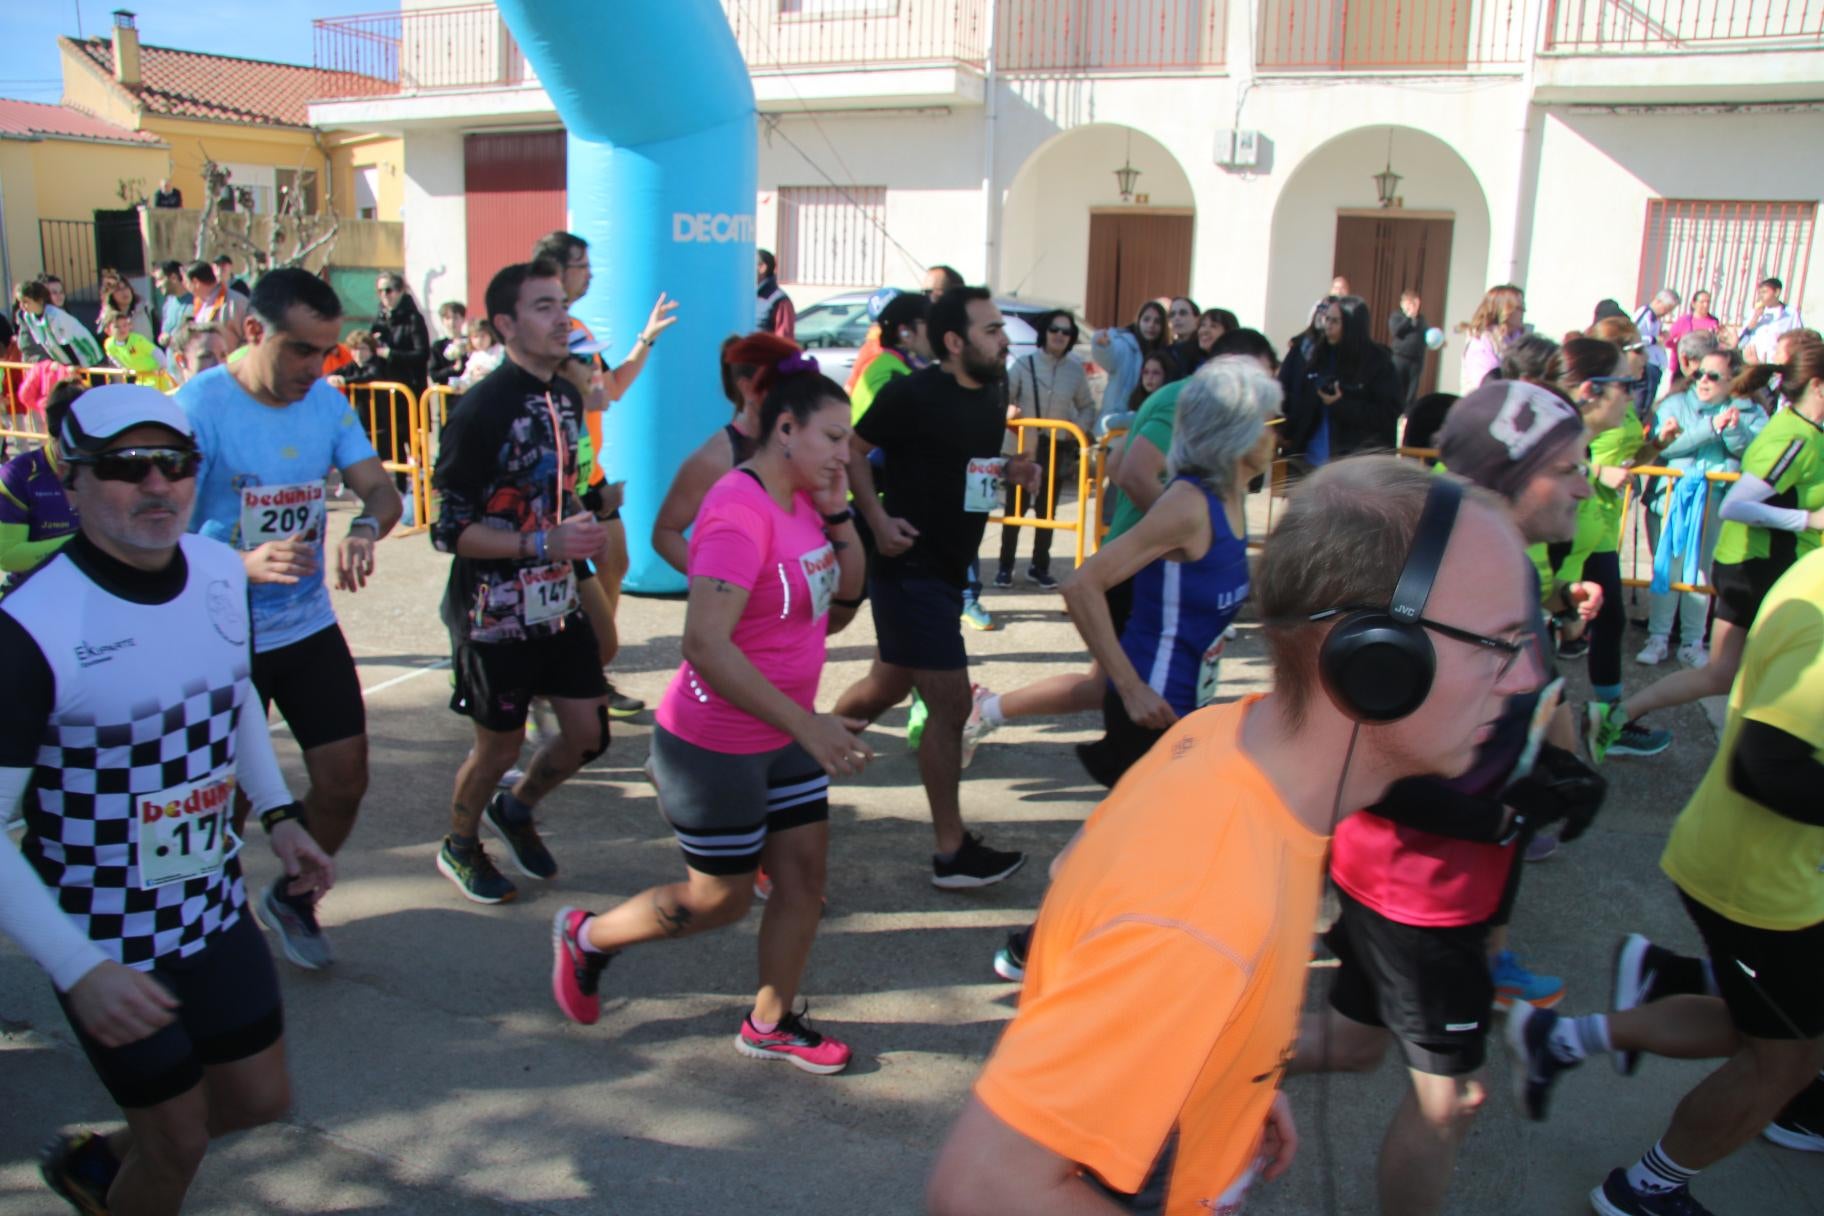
1406,612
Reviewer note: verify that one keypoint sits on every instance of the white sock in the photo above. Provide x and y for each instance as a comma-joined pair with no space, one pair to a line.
1655,1173
991,710
582,938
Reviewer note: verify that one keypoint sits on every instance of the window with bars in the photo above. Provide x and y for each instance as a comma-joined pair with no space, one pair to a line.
832,236
1725,247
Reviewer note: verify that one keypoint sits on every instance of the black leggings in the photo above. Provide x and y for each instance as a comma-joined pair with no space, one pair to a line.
1607,630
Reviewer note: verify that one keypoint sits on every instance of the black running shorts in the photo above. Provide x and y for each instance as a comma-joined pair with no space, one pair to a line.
496,681
1740,587
1770,979
918,619
1430,986
314,683
228,1010
723,806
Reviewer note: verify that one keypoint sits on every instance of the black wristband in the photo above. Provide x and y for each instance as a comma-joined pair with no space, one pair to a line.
857,602
841,517
280,814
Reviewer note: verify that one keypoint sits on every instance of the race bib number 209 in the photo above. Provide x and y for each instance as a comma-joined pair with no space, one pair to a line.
271,513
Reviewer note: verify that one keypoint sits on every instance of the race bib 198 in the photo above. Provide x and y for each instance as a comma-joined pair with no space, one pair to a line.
271,513
820,574
547,593
982,491
186,832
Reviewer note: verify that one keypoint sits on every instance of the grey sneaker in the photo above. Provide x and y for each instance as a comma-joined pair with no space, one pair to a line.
300,937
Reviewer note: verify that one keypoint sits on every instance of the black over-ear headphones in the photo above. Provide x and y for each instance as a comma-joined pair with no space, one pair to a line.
1377,664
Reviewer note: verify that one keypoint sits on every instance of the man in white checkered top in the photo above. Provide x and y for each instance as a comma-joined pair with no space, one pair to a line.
128,722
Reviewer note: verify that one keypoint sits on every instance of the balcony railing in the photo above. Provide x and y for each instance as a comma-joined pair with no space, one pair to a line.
795,35
1617,27
464,47
1112,35
1391,35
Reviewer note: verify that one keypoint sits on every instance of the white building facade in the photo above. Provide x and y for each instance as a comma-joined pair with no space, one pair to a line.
1582,149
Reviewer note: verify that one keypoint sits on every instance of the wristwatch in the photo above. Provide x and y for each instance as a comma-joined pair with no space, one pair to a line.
280,814
368,520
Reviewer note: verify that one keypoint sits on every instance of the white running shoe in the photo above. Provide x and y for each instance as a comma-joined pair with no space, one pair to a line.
1693,654
977,727
1654,652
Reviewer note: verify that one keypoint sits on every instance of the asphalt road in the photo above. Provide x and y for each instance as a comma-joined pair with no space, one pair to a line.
433,1074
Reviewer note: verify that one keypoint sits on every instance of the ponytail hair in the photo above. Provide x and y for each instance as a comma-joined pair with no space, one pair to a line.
734,372
786,379
1804,363
1584,359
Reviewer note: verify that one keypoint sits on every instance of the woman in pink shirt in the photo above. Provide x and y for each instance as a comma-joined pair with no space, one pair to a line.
740,756
1499,319
1700,317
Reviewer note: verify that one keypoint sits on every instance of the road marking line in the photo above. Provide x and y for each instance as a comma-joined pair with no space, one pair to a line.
275,727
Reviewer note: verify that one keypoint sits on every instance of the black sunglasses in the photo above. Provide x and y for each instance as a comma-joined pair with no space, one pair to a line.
1631,383
136,464
1062,329
1718,376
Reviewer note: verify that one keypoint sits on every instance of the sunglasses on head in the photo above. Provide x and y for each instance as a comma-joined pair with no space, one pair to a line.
136,464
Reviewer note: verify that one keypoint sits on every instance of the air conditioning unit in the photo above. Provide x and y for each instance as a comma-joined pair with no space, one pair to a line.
1238,149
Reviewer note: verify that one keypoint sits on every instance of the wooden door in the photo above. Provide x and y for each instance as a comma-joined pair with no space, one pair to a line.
1382,254
1134,257
515,187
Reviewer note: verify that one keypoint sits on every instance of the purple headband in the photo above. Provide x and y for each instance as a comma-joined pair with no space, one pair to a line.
794,363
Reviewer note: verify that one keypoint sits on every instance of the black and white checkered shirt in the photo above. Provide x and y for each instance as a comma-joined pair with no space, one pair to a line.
146,696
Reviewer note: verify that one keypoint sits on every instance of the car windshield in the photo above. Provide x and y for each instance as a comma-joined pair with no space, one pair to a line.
833,323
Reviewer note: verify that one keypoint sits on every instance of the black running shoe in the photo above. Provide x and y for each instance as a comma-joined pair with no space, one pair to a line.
975,865
1616,1198
1536,1066
620,705
524,848
1010,960
1574,648
80,1168
474,874
1637,975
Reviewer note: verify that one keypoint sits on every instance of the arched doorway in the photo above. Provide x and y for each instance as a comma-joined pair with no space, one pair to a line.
1327,222
1067,235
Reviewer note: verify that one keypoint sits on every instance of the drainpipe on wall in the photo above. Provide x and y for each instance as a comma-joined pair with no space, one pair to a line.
991,191
1526,171
6,260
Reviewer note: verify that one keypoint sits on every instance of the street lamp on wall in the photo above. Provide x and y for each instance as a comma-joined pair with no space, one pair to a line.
1126,174
1387,182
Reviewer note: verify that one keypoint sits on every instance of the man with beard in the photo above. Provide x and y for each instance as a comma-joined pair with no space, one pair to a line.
940,429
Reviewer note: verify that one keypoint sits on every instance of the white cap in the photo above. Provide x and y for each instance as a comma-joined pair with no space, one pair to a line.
101,413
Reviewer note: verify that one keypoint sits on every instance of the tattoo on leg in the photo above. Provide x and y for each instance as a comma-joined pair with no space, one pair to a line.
675,922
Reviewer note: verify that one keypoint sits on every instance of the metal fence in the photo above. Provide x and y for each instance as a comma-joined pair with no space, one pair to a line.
1111,35
1632,27
1391,35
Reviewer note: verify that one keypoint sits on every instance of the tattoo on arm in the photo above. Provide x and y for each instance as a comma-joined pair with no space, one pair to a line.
674,922
839,545
721,586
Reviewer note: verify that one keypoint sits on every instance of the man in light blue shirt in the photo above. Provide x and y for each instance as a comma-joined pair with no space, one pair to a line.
271,429
174,301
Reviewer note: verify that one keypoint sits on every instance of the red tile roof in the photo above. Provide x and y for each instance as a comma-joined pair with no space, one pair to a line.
191,84
35,120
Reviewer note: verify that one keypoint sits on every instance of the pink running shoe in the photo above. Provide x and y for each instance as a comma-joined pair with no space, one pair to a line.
576,973
794,1040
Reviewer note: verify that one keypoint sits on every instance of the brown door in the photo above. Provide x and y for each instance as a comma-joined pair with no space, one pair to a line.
1382,255
515,187
1133,258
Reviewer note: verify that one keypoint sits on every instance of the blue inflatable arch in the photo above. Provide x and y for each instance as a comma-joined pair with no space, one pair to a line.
662,176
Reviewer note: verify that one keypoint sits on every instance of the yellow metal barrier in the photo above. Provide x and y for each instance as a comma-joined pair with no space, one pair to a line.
1049,430
22,425
1101,488
1628,501
394,418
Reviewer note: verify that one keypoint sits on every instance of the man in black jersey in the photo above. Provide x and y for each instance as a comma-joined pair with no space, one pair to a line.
940,429
512,520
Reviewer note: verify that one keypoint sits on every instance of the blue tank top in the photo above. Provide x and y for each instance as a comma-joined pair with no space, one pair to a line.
1174,634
